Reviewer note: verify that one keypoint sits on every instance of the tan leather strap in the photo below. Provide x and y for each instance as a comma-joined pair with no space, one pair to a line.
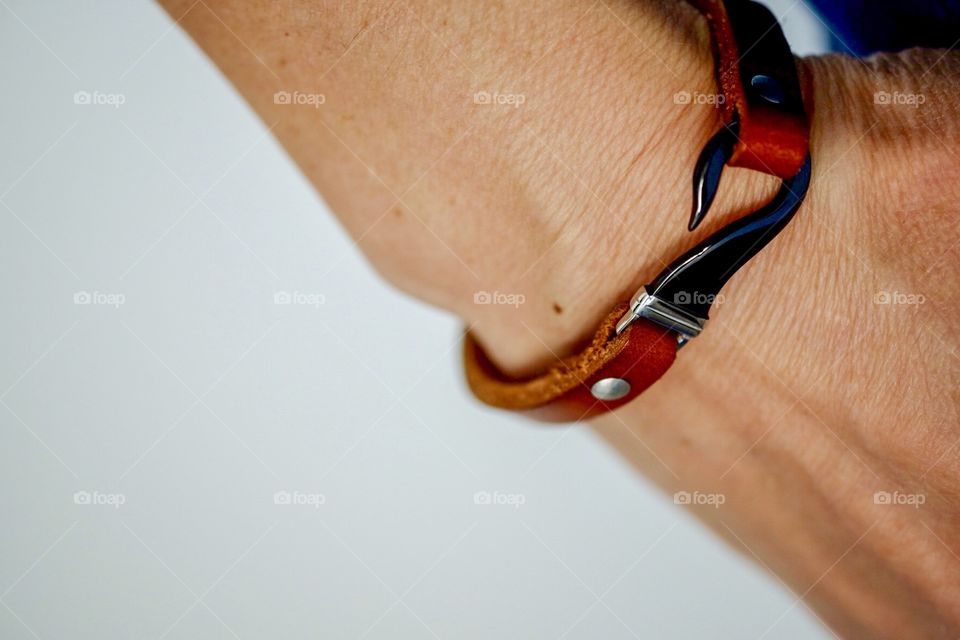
757,75
639,356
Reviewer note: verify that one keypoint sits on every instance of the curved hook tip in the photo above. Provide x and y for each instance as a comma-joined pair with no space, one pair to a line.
706,174
699,211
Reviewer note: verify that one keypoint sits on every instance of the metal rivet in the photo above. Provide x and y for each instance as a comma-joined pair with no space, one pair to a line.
767,88
610,389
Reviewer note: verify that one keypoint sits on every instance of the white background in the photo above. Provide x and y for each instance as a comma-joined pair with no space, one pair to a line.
198,398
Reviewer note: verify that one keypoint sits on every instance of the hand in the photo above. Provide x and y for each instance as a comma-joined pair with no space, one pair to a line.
545,150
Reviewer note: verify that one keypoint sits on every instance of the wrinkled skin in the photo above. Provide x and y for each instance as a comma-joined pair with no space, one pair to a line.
831,370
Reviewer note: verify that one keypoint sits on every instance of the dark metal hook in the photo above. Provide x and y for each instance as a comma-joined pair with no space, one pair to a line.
706,175
693,281
680,297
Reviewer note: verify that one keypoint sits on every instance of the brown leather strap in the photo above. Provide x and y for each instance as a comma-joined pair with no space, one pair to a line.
758,78
639,355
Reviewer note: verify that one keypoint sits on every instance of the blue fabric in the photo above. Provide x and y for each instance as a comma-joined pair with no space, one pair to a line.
863,27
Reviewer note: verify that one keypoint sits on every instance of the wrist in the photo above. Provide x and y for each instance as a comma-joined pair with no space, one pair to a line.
578,196
809,396
623,218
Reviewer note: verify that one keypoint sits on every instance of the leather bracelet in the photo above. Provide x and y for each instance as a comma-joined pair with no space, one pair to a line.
765,129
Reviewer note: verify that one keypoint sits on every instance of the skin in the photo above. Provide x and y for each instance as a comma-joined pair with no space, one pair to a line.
804,396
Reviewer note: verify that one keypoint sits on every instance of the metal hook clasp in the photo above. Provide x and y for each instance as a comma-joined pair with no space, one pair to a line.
706,174
680,297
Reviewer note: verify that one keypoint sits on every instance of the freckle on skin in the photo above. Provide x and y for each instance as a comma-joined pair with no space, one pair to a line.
397,212
557,309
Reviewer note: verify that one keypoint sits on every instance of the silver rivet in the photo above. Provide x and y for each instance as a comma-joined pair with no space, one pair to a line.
610,389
